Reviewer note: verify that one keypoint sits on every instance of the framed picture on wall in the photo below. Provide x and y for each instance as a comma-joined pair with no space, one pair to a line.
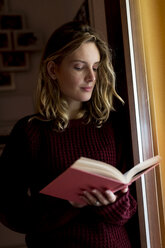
3,6
5,129
5,40
14,61
12,21
6,81
27,40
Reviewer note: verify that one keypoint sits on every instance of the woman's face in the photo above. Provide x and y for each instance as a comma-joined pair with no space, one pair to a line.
77,73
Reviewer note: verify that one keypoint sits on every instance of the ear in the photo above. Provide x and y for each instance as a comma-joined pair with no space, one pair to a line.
51,68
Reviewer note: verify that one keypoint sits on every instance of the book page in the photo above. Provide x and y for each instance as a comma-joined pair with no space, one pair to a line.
98,167
141,167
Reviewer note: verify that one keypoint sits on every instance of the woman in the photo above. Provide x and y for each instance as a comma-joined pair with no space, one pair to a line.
75,93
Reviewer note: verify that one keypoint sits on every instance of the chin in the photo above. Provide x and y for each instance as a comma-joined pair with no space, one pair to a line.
85,99
82,98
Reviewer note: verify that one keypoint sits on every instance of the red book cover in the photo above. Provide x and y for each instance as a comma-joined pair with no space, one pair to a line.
70,184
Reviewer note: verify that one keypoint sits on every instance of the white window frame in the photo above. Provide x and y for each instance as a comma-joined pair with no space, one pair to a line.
139,108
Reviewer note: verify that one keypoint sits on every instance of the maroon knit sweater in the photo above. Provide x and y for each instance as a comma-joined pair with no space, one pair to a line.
34,155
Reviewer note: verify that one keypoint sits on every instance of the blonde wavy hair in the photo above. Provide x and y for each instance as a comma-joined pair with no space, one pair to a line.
50,103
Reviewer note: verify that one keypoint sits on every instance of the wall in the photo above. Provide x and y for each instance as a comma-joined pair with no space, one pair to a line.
153,27
43,16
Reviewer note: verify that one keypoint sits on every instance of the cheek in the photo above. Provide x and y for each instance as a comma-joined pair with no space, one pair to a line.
68,84
70,81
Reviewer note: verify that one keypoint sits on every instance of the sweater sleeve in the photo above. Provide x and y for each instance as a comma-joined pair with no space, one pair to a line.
13,180
119,212
19,210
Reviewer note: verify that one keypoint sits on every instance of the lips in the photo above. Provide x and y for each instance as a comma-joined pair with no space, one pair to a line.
87,89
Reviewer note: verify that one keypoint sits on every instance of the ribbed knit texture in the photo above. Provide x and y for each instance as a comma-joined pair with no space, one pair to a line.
33,157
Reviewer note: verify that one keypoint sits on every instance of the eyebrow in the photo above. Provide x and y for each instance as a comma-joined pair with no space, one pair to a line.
84,62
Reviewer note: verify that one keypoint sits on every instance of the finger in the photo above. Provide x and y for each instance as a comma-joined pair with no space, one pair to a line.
91,199
101,198
77,205
110,196
86,200
125,190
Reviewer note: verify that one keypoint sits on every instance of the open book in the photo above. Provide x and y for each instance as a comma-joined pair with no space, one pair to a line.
87,174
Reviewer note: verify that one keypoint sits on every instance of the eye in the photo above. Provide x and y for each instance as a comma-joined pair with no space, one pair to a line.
95,69
78,68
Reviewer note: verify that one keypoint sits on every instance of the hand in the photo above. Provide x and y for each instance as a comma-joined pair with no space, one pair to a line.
96,198
77,205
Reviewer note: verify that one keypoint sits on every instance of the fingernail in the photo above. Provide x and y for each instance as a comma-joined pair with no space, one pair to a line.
109,192
125,190
110,195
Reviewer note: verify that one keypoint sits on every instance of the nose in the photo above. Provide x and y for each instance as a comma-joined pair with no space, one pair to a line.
90,77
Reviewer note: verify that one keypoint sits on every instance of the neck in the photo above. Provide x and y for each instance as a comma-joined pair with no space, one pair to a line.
74,108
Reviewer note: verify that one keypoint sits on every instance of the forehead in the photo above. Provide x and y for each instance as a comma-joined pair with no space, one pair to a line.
86,51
